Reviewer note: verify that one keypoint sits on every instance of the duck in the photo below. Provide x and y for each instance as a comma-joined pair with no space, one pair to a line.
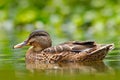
42,51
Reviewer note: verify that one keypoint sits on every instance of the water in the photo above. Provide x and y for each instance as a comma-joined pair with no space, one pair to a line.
14,67
18,70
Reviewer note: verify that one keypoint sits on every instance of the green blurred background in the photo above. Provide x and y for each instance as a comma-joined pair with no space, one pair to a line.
65,20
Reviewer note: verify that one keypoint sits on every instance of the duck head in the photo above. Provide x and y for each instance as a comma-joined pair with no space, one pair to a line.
38,39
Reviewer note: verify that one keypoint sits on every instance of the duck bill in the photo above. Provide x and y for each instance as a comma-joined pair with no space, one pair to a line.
20,45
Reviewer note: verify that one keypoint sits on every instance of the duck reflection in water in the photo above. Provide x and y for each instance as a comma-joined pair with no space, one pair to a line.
82,67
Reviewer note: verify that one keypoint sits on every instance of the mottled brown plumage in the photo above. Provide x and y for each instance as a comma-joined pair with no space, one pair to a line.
71,51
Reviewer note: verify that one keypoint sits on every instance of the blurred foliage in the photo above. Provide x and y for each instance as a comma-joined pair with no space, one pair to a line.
68,19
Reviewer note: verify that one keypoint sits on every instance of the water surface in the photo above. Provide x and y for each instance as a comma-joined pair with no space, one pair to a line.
14,67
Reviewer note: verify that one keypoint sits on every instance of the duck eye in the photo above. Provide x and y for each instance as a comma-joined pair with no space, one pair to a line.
30,43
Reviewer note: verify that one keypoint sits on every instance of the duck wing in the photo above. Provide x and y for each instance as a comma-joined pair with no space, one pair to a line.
78,52
85,56
72,46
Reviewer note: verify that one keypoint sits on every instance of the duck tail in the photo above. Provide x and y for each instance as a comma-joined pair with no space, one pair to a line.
100,53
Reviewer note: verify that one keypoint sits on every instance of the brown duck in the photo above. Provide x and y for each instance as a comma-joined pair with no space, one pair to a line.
41,49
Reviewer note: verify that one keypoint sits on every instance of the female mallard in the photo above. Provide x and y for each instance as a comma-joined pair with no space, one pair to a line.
72,51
